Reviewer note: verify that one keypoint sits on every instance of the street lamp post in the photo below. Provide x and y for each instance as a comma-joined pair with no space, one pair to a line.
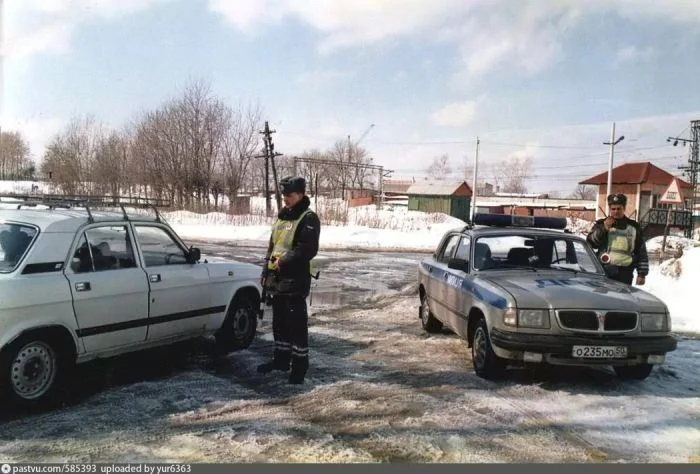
612,144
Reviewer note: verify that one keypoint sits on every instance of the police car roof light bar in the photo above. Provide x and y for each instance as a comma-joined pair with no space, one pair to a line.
504,220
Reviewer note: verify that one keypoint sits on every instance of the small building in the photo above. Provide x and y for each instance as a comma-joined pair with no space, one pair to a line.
536,205
447,197
642,182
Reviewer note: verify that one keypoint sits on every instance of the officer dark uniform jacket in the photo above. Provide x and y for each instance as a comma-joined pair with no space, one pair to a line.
622,248
287,276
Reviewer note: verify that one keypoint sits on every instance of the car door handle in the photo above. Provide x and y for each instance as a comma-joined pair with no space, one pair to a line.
446,275
82,286
155,278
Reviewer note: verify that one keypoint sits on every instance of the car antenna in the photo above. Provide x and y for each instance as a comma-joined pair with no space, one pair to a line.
126,217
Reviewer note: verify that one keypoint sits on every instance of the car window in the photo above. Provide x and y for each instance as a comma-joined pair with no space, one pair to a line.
463,248
158,247
448,249
104,248
535,251
14,243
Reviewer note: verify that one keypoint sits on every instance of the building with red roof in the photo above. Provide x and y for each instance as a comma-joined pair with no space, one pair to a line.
643,183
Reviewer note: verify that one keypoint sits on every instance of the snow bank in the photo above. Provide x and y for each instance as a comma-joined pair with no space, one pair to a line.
672,241
675,282
405,230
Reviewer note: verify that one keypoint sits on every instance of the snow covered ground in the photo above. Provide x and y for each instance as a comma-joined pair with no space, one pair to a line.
367,228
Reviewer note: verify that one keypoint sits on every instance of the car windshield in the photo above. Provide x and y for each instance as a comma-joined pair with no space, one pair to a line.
534,252
14,243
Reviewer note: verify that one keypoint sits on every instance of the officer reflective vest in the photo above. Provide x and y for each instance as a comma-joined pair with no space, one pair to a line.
621,246
282,237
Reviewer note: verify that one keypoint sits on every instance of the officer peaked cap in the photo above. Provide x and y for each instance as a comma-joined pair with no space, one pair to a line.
618,198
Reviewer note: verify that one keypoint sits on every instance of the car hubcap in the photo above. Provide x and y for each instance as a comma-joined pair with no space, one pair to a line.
33,370
241,323
479,347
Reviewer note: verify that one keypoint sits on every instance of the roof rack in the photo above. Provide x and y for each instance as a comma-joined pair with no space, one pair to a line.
54,201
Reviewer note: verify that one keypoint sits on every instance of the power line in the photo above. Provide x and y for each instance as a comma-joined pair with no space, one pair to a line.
557,167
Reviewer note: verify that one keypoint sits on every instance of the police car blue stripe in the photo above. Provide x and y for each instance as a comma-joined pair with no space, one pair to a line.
479,292
484,294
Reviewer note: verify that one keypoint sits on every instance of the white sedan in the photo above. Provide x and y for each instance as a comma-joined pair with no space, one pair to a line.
77,285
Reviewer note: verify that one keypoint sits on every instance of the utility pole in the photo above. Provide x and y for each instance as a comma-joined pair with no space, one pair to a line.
692,169
269,156
476,168
612,144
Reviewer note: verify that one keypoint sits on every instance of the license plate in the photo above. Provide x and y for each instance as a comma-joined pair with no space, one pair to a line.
599,352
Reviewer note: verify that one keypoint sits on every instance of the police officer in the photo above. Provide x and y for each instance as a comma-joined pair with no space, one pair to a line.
620,244
287,279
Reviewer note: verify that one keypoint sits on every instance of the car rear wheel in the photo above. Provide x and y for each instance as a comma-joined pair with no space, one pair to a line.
485,362
633,372
238,330
428,321
33,367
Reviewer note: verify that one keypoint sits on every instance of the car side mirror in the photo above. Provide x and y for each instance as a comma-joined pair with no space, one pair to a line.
458,264
194,255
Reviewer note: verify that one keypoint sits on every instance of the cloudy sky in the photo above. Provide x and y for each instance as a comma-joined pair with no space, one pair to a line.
537,78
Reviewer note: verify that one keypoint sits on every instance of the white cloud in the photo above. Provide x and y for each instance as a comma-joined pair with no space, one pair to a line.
47,26
525,37
633,54
457,114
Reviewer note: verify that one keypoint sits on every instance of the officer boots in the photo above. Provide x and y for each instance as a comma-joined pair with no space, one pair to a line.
280,361
299,367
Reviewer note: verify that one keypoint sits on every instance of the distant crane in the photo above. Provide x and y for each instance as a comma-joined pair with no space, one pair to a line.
362,137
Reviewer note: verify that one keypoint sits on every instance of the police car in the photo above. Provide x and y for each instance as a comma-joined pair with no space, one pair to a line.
77,285
522,289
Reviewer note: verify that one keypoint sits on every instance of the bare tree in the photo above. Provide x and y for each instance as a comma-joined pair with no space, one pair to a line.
109,168
440,167
585,192
240,144
15,162
314,173
510,174
341,176
70,155
196,146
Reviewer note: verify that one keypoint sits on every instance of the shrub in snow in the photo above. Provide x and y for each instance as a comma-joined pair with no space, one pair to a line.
672,268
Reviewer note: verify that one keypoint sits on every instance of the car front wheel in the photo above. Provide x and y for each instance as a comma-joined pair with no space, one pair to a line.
428,321
485,362
32,370
238,330
633,372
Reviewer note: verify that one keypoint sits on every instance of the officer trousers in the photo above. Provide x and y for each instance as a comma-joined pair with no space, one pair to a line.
290,328
622,274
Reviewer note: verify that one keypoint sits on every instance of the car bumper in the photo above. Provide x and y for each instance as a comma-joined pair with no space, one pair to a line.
557,349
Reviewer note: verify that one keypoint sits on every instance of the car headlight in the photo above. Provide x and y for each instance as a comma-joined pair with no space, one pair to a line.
526,318
533,318
655,322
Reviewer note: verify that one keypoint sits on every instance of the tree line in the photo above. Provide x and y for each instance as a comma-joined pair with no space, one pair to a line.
15,158
509,175
193,150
